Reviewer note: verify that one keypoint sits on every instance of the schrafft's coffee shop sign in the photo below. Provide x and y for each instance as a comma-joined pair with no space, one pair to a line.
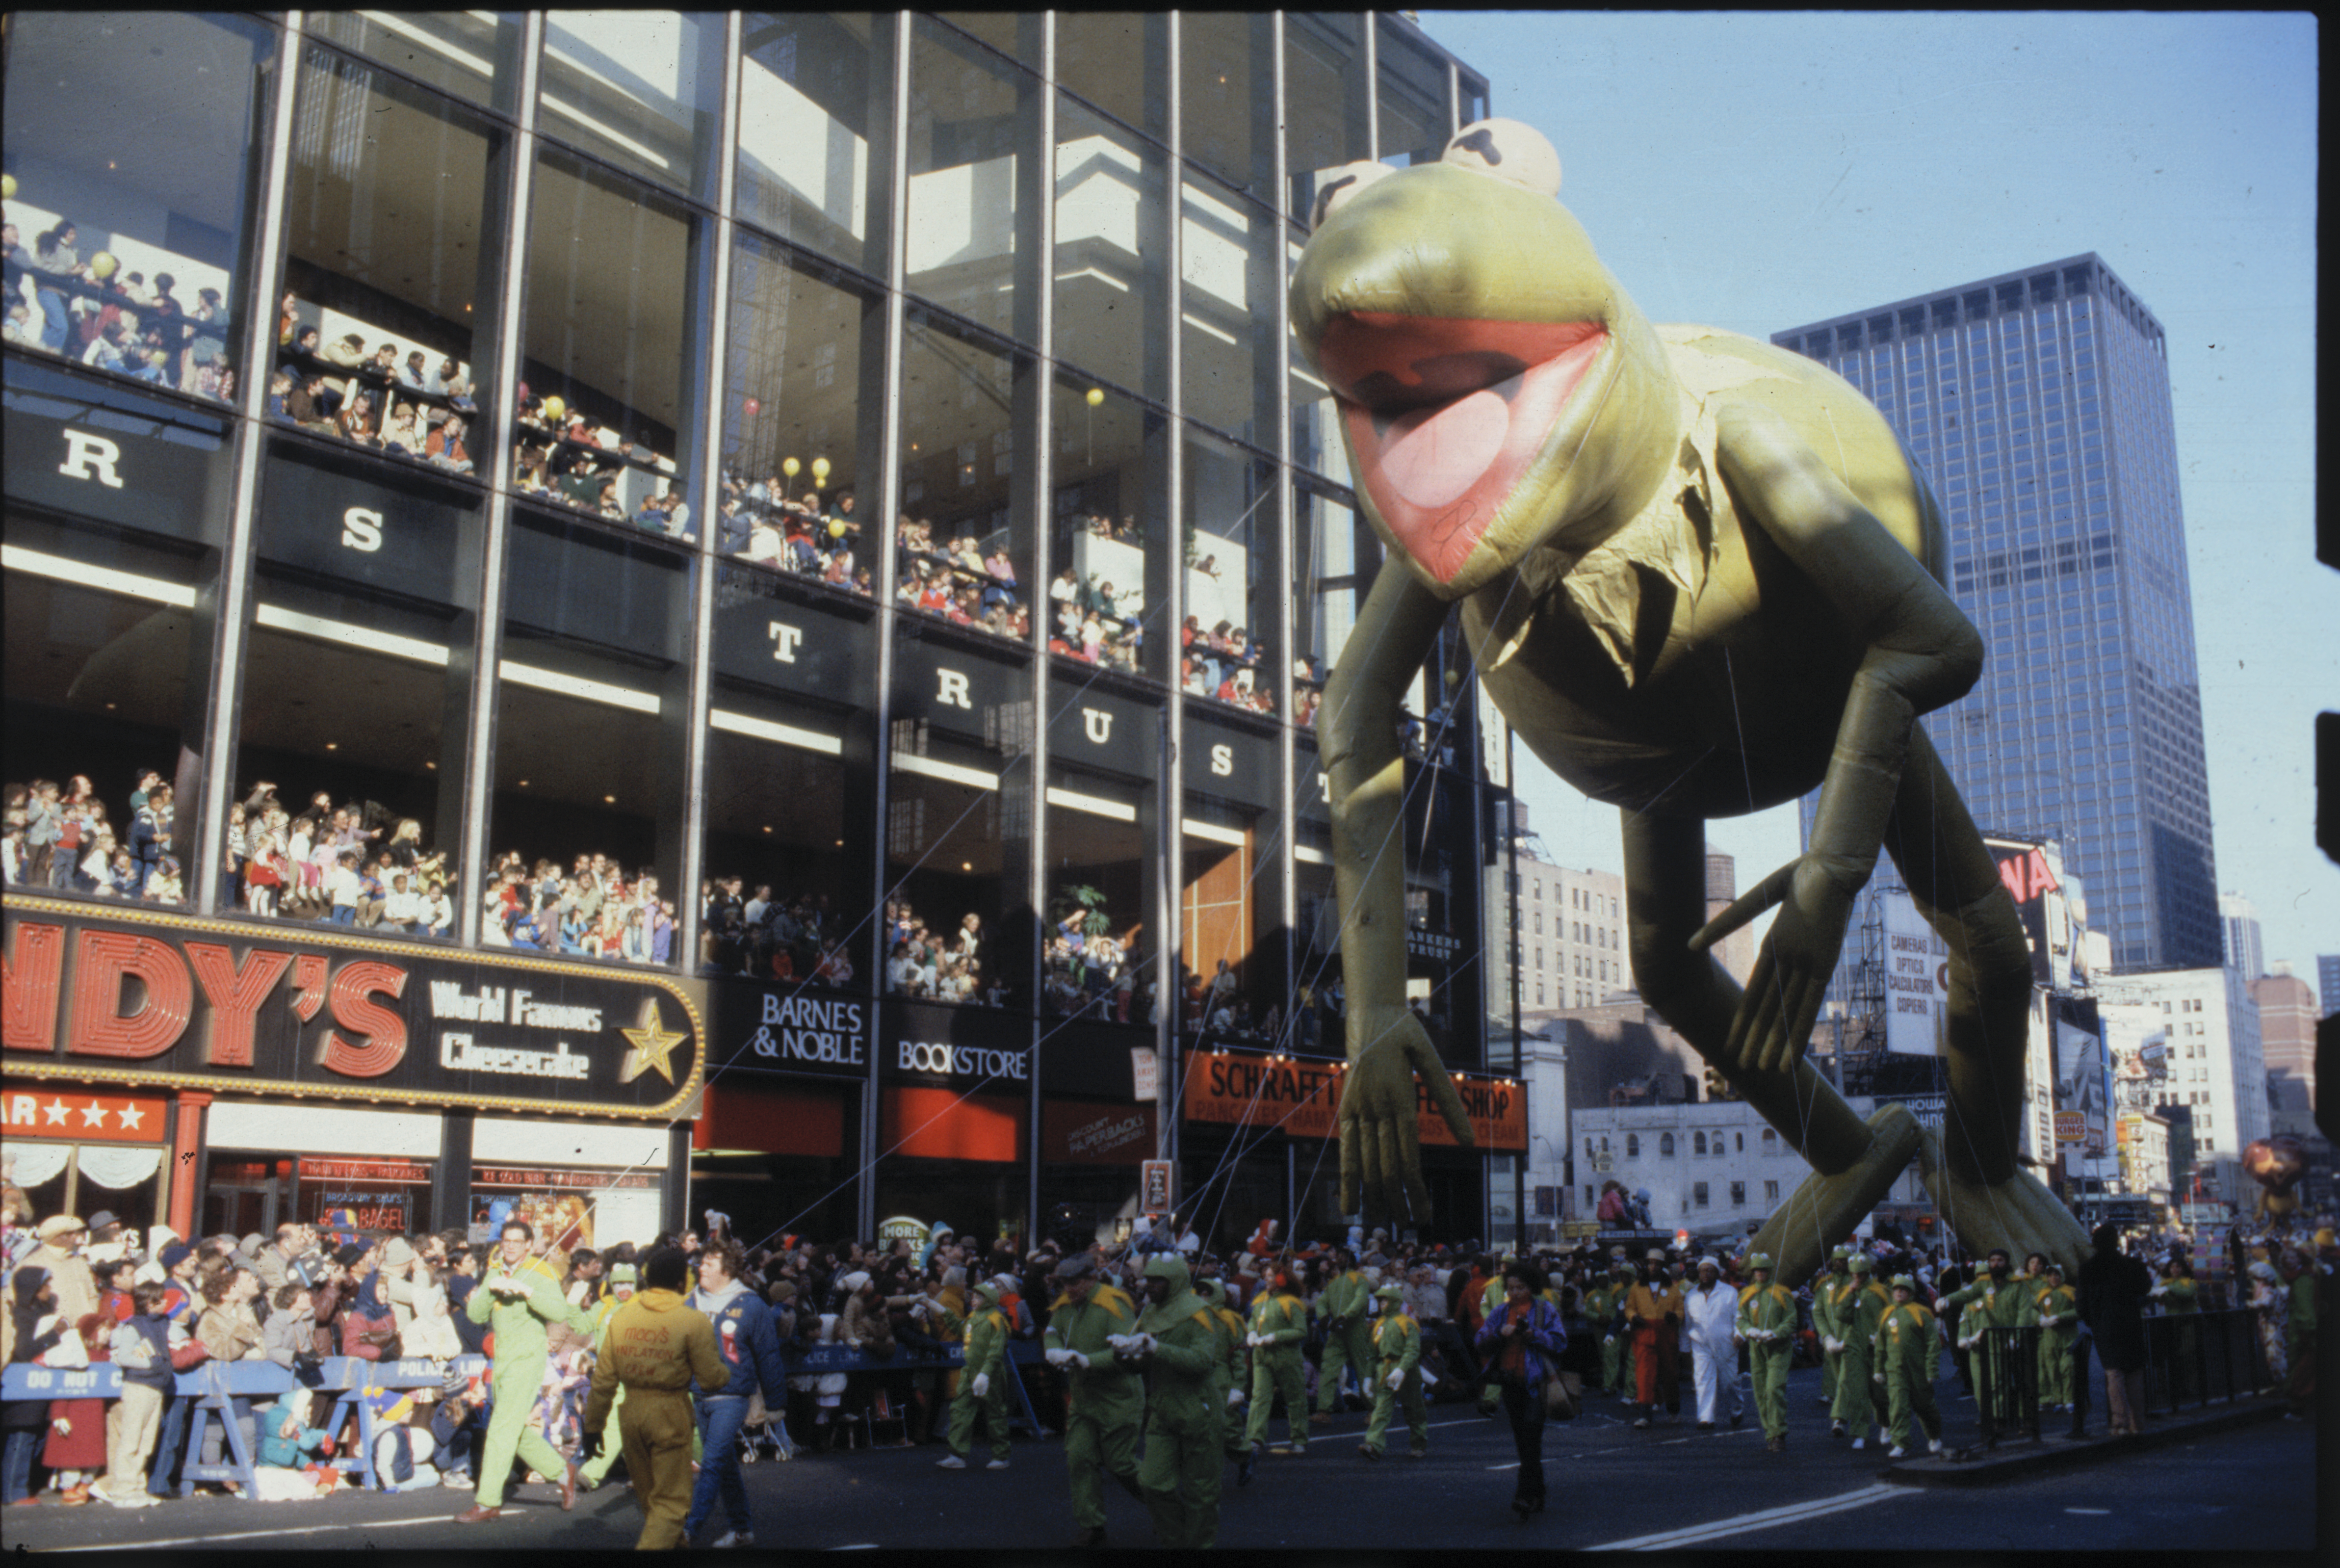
139,997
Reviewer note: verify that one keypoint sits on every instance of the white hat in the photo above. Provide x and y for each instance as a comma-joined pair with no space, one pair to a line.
856,1280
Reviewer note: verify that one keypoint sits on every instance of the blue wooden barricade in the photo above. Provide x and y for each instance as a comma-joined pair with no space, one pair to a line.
223,1391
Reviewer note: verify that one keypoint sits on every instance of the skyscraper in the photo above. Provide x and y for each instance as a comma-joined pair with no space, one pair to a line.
2038,404
2327,982
2238,926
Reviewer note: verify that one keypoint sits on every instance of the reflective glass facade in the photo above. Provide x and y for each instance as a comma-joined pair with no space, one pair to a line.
2038,403
806,504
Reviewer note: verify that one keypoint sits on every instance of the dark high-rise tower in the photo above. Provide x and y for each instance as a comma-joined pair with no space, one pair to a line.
2038,404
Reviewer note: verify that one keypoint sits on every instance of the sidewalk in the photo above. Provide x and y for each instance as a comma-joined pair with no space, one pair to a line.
2022,1458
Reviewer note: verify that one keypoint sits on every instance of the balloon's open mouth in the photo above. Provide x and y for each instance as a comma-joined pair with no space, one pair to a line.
1446,414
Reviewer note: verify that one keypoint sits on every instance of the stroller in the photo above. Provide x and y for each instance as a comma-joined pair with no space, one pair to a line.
765,1434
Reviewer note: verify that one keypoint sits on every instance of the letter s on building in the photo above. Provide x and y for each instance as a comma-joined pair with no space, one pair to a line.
384,1032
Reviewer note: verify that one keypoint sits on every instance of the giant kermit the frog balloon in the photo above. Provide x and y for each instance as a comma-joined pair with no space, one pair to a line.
1698,574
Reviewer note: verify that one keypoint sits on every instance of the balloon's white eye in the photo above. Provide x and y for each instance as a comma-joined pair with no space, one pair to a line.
1339,184
1509,149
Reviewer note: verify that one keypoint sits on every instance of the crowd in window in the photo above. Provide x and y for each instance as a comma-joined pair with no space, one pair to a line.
771,522
60,838
562,454
100,313
1087,970
938,964
956,578
764,938
349,865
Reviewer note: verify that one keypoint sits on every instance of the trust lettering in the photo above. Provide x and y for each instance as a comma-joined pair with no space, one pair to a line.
129,997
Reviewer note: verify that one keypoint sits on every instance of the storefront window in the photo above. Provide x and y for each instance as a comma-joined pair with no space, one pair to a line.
962,541
356,698
958,832
1413,94
1229,279
1227,109
112,606
108,1155
1233,580
795,448
392,254
975,132
642,90
790,781
1339,557
811,85
617,299
590,751
1103,940
474,54
1324,88
132,234
1113,291
1107,536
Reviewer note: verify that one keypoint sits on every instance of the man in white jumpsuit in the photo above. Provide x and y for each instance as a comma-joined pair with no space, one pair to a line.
1710,1316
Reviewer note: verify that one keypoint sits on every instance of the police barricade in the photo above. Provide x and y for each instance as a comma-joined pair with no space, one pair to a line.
350,1378
2007,1397
223,1392
815,1360
2196,1357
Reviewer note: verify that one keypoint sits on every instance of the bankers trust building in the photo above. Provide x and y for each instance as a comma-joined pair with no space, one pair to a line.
614,614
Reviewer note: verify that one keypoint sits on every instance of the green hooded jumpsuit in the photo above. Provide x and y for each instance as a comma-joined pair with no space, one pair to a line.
1908,1352
986,1356
1281,1318
1767,1322
1184,1424
1347,1312
1107,1400
1397,1349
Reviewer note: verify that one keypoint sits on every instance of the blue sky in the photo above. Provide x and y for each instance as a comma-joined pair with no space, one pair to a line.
1757,171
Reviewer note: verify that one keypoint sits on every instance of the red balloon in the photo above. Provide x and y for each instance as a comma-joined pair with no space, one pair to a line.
752,406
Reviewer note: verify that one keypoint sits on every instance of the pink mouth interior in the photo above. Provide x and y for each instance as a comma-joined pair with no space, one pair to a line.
1446,414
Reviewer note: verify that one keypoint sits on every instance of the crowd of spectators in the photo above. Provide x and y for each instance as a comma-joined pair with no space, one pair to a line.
60,837
95,312
408,407
953,577
798,938
939,964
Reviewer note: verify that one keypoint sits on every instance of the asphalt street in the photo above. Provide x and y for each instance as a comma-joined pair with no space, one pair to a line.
1670,1487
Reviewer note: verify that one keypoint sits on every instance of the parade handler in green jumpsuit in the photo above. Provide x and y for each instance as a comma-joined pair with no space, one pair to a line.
983,1382
1279,1327
1860,1304
1600,1313
1237,1375
1176,1346
1107,1402
1345,1308
654,1347
1825,1285
516,1300
1397,1346
1908,1352
1767,1324
1617,1358
1993,1301
592,1471
2058,1312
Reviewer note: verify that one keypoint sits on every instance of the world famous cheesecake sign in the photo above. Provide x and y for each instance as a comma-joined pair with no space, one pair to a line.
149,998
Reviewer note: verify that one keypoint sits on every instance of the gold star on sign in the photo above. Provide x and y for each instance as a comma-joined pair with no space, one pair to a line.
652,1044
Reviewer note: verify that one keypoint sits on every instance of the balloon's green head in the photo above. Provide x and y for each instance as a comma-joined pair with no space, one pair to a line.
1496,388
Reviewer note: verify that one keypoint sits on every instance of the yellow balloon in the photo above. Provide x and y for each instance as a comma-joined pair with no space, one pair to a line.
8,188
837,528
1096,396
820,468
555,409
789,467
101,265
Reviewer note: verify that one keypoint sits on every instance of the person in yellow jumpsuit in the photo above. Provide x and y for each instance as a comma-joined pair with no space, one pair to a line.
655,1345
517,1297
2058,1314
1397,1351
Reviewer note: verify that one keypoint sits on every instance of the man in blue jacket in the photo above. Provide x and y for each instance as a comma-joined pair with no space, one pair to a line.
751,1349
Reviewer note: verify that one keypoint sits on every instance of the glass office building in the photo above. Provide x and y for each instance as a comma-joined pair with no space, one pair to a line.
2038,403
751,587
